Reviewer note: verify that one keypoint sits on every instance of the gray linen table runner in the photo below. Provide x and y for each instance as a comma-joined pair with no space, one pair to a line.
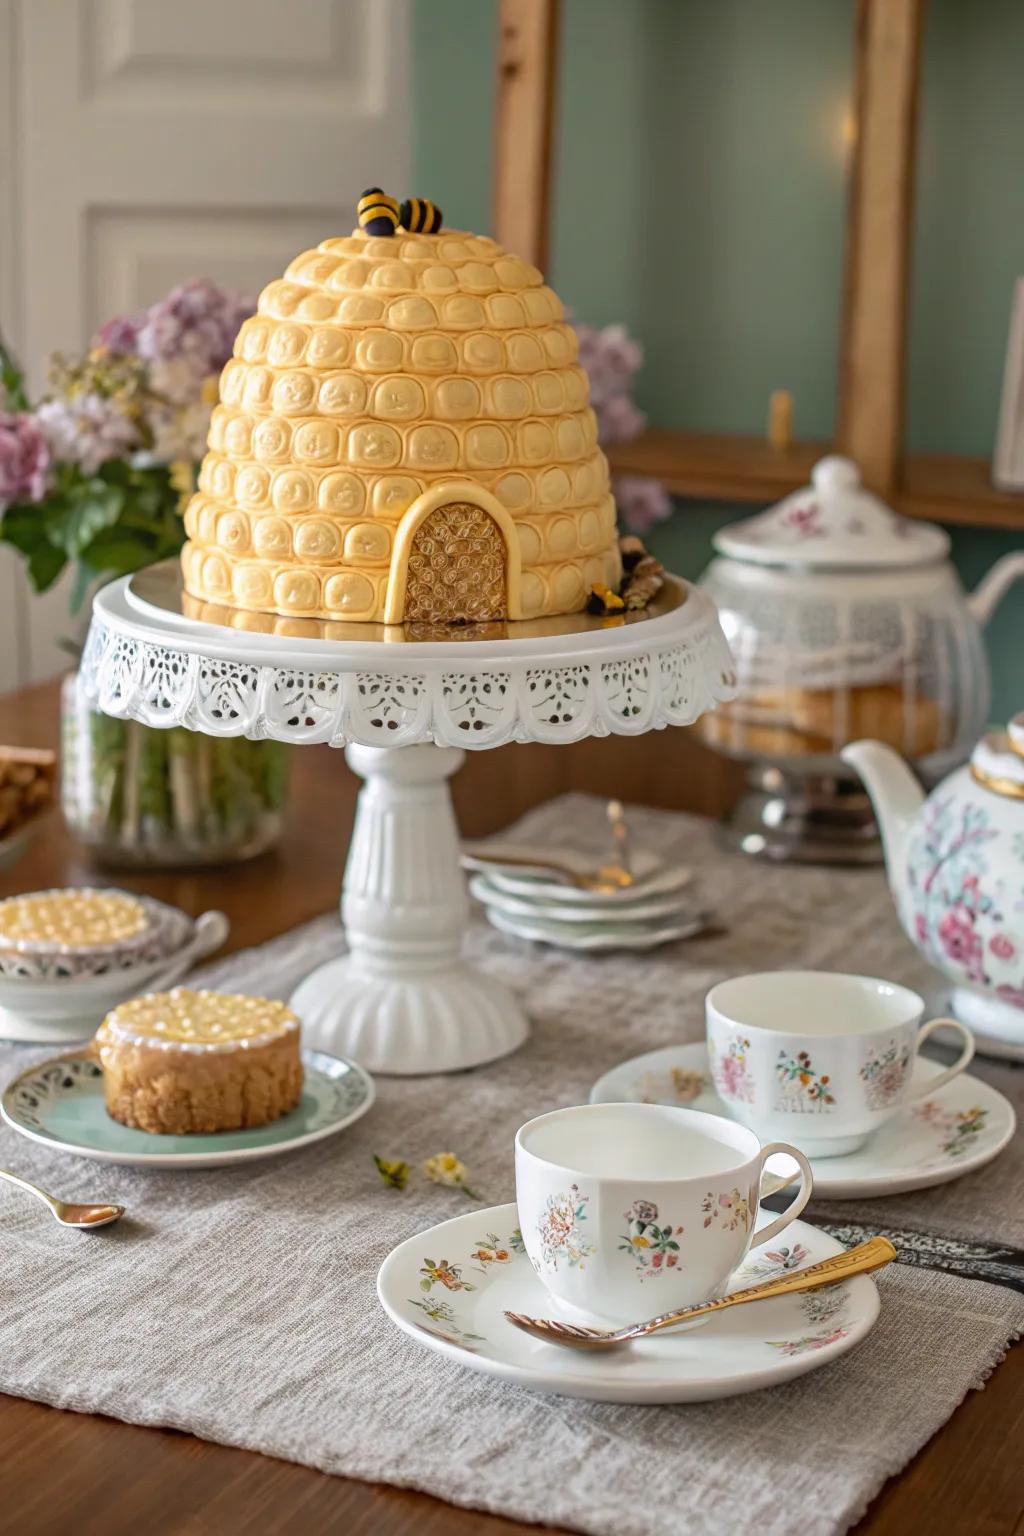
240,1303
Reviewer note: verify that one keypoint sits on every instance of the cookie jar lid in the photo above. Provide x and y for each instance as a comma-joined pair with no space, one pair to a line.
998,760
834,521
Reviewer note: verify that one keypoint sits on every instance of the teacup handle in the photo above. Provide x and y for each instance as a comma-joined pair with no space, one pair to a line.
925,1089
799,1200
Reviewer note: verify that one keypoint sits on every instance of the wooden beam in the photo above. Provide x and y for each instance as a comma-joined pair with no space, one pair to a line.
524,118
871,385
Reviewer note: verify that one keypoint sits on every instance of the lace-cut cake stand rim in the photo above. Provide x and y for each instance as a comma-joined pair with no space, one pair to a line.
402,1000
552,680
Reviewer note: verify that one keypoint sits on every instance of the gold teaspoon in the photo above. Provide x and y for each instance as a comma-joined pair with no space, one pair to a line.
861,1260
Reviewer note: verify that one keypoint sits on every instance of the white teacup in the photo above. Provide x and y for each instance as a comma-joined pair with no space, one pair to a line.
628,1210
820,1057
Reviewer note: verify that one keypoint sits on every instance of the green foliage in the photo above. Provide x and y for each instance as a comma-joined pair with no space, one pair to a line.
107,524
12,382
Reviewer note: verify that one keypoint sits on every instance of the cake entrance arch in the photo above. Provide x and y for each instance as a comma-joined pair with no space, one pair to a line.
456,557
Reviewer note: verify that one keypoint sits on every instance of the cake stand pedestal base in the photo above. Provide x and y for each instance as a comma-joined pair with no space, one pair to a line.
403,1001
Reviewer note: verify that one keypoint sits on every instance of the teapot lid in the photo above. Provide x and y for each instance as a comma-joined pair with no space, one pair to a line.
998,760
833,521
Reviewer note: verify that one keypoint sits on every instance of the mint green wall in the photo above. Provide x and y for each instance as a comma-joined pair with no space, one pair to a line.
700,193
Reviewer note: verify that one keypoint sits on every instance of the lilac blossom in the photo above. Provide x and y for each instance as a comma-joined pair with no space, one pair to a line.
121,334
24,459
641,502
86,430
619,420
611,358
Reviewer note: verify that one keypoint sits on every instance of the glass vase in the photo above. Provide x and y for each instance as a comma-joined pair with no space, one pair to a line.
159,799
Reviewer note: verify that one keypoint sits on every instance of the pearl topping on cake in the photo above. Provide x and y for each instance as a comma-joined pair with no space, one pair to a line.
80,918
197,1021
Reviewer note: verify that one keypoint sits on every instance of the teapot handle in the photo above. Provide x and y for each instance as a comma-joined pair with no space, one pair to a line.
987,596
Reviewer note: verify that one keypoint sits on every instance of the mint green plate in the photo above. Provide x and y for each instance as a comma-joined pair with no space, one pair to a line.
60,1103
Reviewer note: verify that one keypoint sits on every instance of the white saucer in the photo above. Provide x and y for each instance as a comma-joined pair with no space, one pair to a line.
967,1125
486,1273
651,879
60,1103
596,936
487,890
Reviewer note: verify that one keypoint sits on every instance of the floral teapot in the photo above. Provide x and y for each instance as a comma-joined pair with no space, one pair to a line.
955,863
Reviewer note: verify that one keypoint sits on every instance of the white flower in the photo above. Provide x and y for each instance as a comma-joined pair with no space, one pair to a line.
86,430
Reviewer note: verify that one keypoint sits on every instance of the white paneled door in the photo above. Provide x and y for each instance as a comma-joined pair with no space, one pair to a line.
143,142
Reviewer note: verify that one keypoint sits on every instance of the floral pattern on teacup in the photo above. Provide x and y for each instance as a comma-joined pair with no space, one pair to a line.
560,1230
729,1211
884,1074
958,1129
730,1070
801,1089
652,1247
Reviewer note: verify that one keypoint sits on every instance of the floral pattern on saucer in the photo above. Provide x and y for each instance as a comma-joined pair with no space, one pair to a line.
958,1130
440,1272
560,1230
779,1261
677,1086
808,1341
443,1314
801,1088
884,1074
652,1247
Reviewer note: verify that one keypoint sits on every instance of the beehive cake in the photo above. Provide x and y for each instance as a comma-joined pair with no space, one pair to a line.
403,435
182,1062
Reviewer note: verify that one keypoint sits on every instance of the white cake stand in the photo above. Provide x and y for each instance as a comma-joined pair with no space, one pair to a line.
405,709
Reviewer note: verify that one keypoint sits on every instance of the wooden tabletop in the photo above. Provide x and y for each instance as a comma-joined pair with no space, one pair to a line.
64,1472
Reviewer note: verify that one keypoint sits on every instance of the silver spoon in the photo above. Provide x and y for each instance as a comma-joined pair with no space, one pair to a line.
874,1254
85,1217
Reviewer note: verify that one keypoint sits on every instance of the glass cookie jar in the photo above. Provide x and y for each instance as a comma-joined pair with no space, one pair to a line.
845,621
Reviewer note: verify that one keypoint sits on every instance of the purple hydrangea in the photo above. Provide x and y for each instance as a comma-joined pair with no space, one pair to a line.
197,322
611,358
24,459
641,502
87,430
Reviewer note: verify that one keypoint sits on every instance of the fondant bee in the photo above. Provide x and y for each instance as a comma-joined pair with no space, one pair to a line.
420,217
378,213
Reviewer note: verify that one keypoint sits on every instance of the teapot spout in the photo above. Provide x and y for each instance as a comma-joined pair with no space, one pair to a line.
988,594
896,796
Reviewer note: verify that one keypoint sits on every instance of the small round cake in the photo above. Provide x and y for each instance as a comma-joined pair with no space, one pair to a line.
182,1062
79,931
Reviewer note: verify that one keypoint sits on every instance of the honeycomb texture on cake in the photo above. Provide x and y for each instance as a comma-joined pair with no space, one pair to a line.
403,431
